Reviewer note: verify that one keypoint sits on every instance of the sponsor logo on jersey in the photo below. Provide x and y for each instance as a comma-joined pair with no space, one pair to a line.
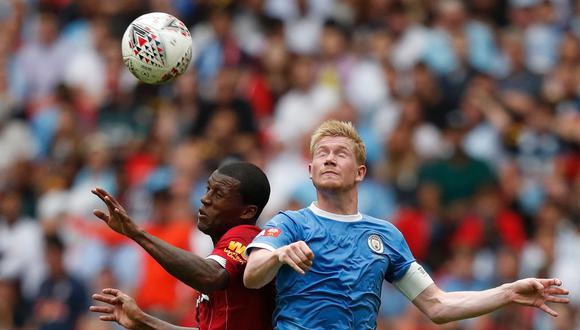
201,298
235,250
375,243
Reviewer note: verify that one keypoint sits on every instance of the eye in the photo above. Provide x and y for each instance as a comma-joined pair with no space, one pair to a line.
206,188
321,153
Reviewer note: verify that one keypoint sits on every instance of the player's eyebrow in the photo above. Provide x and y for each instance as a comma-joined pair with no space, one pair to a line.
342,148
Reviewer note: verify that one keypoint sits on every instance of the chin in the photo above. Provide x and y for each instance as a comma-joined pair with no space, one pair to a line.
332,185
202,227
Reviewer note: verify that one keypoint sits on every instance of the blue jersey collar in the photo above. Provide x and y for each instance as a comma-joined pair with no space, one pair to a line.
333,216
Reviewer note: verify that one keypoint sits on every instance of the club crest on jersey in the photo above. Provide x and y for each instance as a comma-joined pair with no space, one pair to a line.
375,243
271,232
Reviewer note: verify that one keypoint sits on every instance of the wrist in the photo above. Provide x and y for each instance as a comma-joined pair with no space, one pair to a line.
137,234
507,291
141,320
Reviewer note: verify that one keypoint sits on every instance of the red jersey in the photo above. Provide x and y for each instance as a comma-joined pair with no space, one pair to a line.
236,307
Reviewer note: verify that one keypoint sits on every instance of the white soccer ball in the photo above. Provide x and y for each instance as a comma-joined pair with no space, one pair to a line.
156,48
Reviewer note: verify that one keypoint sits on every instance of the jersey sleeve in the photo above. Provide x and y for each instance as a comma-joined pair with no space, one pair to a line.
229,251
400,256
281,230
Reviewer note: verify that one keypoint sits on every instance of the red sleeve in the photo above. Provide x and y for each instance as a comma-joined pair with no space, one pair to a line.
232,246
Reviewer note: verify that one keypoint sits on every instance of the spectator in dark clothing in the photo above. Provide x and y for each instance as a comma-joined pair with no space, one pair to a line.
62,300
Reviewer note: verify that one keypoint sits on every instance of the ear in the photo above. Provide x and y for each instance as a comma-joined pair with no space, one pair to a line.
310,170
361,171
249,212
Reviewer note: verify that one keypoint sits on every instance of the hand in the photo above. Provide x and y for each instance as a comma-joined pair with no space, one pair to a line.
536,292
296,255
121,309
117,219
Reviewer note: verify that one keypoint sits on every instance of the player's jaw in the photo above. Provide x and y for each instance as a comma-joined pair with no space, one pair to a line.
203,221
331,178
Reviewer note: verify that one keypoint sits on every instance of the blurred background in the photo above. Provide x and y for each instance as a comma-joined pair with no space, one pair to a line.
470,111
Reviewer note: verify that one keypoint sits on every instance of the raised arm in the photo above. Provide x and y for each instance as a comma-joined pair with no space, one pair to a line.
123,309
442,307
263,264
204,275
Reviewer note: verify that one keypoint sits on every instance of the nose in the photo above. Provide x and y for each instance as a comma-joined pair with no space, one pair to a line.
205,200
330,159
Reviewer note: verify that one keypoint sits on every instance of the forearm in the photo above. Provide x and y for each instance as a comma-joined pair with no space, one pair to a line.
192,270
262,267
453,306
148,322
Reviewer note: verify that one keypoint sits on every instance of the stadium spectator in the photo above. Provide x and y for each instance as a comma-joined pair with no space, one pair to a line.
62,299
515,83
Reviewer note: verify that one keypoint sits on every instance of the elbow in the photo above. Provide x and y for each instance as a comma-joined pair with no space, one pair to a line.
210,283
437,316
250,281
439,320
437,311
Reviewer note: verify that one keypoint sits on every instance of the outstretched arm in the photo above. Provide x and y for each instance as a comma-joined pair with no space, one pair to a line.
124,310
442,307
263,264
204,275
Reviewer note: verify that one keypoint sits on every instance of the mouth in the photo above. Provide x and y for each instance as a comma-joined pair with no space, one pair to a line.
201,213
330,172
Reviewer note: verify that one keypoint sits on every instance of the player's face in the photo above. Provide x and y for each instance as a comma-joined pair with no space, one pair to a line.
334,166
221,206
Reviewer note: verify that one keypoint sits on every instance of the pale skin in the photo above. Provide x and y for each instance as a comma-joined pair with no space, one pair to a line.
335,173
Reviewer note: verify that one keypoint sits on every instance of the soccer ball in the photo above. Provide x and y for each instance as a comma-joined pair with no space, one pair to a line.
156,48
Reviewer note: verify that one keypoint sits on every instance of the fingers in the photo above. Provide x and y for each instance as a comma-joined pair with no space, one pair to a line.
101,215
101,193
111,291
547,282
556,291
117,296
300,262
559,300
300,258
548,310
297,255
287,260
106,299
109,200
305,249
108,318
101,309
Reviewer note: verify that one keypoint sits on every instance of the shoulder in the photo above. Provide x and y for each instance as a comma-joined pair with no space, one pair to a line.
289,216
298,214
385,226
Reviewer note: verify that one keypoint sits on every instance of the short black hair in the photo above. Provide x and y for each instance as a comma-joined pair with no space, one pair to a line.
54,241
254,185
162,195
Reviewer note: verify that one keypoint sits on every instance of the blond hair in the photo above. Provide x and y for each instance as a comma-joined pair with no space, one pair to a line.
337,128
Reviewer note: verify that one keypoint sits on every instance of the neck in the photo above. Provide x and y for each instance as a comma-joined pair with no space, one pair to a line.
58,273
338,202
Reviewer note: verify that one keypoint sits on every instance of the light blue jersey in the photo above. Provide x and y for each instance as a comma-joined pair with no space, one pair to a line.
352,256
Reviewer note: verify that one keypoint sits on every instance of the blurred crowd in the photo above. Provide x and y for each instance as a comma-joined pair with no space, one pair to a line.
470,111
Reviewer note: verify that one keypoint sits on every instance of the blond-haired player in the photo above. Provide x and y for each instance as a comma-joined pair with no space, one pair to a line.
329,260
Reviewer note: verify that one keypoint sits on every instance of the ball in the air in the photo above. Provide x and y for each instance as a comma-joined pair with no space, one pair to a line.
156,48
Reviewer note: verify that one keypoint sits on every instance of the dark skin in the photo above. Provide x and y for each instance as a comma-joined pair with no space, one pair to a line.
222,209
